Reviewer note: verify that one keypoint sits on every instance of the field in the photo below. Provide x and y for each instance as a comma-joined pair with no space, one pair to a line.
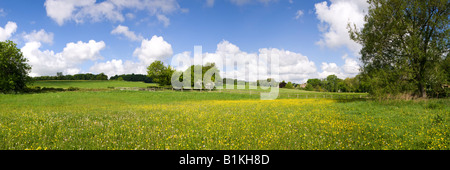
161,120
83,84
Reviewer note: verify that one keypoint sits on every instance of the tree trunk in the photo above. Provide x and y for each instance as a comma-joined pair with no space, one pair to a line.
422,92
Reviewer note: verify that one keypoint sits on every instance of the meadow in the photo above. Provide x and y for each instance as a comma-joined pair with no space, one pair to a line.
87,84
171,120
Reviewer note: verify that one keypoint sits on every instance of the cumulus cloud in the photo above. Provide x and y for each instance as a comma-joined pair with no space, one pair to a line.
150,50
349,69
48,62
6,32
252,66
335,17
39,36
124,30
154,49
112,10
351,66
118,66
231,61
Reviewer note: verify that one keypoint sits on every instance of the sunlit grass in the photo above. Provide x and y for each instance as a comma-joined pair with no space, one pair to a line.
194,120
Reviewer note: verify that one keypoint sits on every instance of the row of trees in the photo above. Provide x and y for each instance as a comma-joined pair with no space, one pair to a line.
87,76
132,77
163,75
334,84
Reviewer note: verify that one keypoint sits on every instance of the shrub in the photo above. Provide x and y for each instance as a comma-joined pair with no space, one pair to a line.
73,88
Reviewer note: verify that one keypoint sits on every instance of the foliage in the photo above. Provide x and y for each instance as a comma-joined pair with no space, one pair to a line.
200,80
60,76
282,84
334,84
160,74
132,77
289,85
14,69
404,43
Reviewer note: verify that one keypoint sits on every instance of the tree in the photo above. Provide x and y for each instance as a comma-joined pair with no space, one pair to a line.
332,82
289,85
14,69
309,87
159,73
403,43
282,84
315,83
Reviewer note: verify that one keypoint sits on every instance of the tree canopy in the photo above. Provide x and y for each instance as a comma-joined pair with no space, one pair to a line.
159,73
14,68
404,43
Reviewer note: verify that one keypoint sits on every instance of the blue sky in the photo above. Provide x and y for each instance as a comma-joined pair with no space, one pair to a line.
79,37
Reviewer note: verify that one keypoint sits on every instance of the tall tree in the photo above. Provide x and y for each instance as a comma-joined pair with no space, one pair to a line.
159,73
13,68
403,43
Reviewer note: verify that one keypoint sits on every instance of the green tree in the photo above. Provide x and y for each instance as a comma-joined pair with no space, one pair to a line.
309,87
159,73
315,83
289,85
332,82
14,69
403,43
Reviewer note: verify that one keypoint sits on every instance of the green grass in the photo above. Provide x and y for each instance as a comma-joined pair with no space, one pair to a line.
212,120
90,84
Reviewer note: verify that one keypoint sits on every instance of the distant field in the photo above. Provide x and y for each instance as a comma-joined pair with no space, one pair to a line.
90,84
283,93
210,120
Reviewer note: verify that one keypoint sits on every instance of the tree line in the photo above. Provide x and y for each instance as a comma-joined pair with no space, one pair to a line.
132,77
60,76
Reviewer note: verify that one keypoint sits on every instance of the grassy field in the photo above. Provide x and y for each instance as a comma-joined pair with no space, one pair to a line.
82,84
216,120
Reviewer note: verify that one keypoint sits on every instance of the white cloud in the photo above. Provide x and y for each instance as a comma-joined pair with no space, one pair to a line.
124,30
351,66
349,69
293,66
153,49
98,12
80,10
252,66
150,50
80,51
163,19
298,14
118,67
48,62
334,19
63,10
6,32
39,36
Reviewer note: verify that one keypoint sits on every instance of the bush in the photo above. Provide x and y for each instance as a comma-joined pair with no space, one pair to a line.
33,89
73,89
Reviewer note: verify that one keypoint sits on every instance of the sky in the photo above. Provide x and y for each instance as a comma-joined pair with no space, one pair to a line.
125,36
